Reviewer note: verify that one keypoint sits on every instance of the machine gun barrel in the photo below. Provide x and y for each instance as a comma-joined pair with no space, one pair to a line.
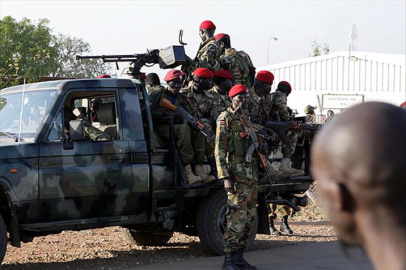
113,58
292,125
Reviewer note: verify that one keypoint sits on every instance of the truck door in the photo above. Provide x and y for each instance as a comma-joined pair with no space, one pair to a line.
94,177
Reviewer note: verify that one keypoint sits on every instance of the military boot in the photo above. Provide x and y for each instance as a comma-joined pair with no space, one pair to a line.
287,170
229,263
206,177
241,262
285,226
274,231
190,177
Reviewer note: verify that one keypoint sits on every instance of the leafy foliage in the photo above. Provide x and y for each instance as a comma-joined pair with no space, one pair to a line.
30,50
317,48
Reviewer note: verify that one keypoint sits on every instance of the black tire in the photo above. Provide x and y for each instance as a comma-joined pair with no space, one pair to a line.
3,239
147,238
211,222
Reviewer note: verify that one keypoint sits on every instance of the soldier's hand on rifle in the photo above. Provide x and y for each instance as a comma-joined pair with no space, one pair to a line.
229,185
199,125
263,149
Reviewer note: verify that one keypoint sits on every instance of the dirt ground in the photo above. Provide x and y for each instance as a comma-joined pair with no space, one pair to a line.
108,248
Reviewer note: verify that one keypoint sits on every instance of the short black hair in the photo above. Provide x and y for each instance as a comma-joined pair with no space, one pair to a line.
153,78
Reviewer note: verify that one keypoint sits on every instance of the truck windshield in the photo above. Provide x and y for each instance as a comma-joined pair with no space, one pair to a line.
24,110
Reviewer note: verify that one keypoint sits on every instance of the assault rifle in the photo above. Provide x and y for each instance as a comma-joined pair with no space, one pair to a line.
292,125
165,103
249,131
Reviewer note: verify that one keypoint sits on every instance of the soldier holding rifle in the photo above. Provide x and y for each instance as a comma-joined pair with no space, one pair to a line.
182,131
240,178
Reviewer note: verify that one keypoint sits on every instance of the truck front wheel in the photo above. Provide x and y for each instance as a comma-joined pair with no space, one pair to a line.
211,222
3,239
147,238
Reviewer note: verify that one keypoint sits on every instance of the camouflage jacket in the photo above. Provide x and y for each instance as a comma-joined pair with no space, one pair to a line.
208,56
278,102
230,148
197,108
259,108
157,111
310,118
240,65
222,102
94,134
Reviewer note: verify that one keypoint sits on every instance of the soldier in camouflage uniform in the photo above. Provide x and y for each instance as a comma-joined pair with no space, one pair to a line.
199,102
260,109
182,131
208,55
238,62
240,180
91,133
152,82
310,115
278,102
223,81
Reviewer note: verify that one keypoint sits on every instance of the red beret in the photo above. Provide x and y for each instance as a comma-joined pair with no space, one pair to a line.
237,89
143,76
220,36
265,76
222,73
172,74
207,25
103,76
285,83
203,73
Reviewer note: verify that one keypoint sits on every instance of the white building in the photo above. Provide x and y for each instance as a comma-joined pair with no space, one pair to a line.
339,80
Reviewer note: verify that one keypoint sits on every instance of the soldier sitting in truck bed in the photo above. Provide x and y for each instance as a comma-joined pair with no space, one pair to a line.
182,132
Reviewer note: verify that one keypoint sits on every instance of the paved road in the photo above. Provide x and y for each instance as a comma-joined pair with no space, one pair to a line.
322,255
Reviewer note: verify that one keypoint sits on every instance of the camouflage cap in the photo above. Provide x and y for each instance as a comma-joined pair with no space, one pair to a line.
309,108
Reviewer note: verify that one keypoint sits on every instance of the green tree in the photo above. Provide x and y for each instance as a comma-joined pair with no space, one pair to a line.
317,48
29,50
26,48
67,67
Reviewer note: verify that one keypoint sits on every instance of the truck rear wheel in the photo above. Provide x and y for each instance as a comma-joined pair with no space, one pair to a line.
3,239
147,238
212,222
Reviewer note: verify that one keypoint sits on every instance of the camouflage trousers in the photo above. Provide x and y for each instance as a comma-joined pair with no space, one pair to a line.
190,143
282,209
241,207
209,143
289,149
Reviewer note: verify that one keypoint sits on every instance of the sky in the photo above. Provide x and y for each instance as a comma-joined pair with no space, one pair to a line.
128,27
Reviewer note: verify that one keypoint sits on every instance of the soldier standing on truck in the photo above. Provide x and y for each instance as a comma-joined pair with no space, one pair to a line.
198,101
182,131
259,109
240,179
238,62
208,55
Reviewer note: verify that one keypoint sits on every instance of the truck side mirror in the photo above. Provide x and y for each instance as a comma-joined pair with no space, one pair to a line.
77,130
